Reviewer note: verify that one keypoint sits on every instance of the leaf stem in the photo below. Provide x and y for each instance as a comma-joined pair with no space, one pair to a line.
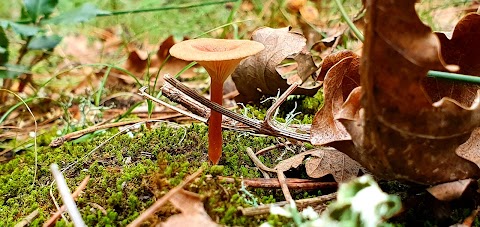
350,23
163,8
454,76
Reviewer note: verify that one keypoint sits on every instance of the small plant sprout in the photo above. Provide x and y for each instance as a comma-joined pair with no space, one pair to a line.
219,57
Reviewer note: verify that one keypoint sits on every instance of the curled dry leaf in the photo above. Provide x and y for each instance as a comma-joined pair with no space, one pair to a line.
257,75
461,49
402,133
321,162
341,75
193,212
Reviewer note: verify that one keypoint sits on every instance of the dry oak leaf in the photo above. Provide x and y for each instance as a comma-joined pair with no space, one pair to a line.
193,212
460,49
138,61
257,75
400,132
293,162
321,162
330,161
340,71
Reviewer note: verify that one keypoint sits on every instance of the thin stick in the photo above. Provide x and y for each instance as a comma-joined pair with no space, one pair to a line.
193,106
264,150
295,183
257,161
283,184
185,6
302,203
186,113
75,194
214,106
159,203
74,135
454,76
28,219
268,122
67,196
347,19
471,218
257,125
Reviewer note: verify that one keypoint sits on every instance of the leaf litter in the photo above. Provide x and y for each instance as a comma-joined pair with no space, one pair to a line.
350,122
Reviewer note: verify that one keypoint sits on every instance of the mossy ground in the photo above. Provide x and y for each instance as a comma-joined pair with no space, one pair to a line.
128,172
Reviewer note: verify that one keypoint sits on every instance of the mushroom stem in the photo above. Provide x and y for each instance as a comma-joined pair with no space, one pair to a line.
215,121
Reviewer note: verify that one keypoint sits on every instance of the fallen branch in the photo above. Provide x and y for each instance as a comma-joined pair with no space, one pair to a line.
301,204
266,128
292,183
75,194
159,203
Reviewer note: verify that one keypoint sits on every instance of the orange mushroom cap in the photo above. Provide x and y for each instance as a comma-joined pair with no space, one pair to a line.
219,57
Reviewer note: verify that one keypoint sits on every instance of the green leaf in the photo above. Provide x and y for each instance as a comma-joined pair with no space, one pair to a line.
24,30
86,12
38,8
44,42
4,24
13,71
3,46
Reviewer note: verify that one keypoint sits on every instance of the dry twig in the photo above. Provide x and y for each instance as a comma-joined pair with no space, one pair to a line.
292,183
283,184
67,198
302,203
257,161
266,128
264,150
75,194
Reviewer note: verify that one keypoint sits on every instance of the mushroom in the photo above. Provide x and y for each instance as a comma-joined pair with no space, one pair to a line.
219,57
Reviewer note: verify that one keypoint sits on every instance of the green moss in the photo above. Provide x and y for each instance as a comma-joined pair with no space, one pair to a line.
127,173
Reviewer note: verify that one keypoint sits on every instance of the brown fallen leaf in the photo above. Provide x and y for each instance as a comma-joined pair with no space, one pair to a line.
293,162
138,61
340,71
401,133
257,75
321,162
173,64
79,49
330,161
193,212
460,49
450,190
